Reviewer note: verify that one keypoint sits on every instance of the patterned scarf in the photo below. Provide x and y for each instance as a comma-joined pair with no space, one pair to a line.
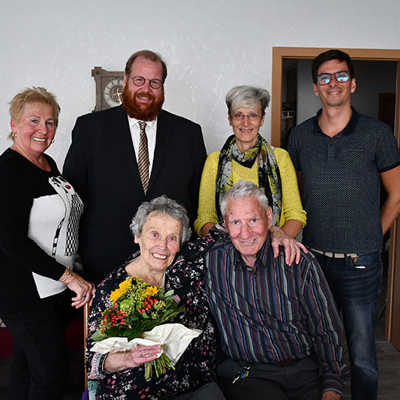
269,178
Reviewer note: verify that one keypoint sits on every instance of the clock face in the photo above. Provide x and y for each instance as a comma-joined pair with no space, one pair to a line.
113,92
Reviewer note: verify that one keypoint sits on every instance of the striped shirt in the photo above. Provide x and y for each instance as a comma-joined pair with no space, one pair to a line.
275,312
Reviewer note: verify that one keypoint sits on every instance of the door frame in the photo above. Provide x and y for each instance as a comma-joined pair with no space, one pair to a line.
392,321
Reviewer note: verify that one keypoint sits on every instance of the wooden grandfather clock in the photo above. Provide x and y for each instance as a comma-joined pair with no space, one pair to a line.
109,87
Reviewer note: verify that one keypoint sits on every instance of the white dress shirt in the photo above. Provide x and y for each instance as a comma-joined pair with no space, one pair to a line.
151,130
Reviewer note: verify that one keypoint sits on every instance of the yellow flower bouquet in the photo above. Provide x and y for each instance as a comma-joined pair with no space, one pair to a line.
137,308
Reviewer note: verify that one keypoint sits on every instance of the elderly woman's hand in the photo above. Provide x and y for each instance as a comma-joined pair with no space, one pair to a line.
84,290
292,247
131,359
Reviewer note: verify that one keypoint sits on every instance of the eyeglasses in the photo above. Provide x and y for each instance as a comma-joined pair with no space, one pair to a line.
340,76
140,81
253,117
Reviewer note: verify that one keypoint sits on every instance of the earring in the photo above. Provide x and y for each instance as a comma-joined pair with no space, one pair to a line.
52,141
13,134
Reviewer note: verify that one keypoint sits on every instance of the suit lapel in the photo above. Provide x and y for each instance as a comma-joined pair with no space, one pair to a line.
160,152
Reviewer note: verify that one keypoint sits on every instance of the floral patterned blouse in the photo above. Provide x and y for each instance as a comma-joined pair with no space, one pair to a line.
197,364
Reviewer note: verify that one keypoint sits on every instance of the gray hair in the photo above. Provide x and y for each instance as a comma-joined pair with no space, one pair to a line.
241,190
162,205
247,96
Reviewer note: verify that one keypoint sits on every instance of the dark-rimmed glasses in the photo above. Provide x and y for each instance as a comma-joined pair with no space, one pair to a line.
140,81
326,77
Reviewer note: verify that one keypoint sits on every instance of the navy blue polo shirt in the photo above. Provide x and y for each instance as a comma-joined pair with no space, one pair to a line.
341,182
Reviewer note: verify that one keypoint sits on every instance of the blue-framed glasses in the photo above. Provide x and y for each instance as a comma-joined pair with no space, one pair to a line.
340,76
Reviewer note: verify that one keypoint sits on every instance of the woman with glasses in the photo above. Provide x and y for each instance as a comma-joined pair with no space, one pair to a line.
247,155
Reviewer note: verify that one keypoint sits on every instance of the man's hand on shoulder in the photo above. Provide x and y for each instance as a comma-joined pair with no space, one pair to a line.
291,246
331,396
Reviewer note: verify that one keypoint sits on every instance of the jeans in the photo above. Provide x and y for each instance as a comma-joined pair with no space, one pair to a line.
355,286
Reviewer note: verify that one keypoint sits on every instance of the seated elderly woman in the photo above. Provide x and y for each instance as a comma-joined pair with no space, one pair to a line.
159,228
247,155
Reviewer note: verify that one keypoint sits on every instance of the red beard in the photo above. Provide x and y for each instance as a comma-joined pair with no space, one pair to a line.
139,111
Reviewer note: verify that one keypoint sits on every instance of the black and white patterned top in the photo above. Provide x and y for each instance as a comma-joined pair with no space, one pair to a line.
54,225
39,214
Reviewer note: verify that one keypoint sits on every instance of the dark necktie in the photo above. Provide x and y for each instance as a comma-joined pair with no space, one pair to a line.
143,159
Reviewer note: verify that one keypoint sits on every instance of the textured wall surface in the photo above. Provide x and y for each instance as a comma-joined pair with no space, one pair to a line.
209,47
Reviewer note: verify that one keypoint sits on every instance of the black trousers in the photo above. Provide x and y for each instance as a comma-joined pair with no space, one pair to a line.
39,365
209,391
297,381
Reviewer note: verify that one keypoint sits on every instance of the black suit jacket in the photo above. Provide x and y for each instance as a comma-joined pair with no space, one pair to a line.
101,164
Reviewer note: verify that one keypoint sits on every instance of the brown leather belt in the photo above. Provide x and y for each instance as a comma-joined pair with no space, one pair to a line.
285,363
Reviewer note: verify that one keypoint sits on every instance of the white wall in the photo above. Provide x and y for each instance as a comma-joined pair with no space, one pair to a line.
372,78
209,46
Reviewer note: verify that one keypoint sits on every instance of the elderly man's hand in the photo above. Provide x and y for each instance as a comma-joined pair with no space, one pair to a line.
331,396
291,246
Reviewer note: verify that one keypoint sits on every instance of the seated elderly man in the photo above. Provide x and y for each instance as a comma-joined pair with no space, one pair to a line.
278,324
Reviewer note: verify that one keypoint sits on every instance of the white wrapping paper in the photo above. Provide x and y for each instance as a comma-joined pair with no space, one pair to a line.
174,338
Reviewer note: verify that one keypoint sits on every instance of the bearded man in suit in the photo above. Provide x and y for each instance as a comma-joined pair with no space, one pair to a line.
112,173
